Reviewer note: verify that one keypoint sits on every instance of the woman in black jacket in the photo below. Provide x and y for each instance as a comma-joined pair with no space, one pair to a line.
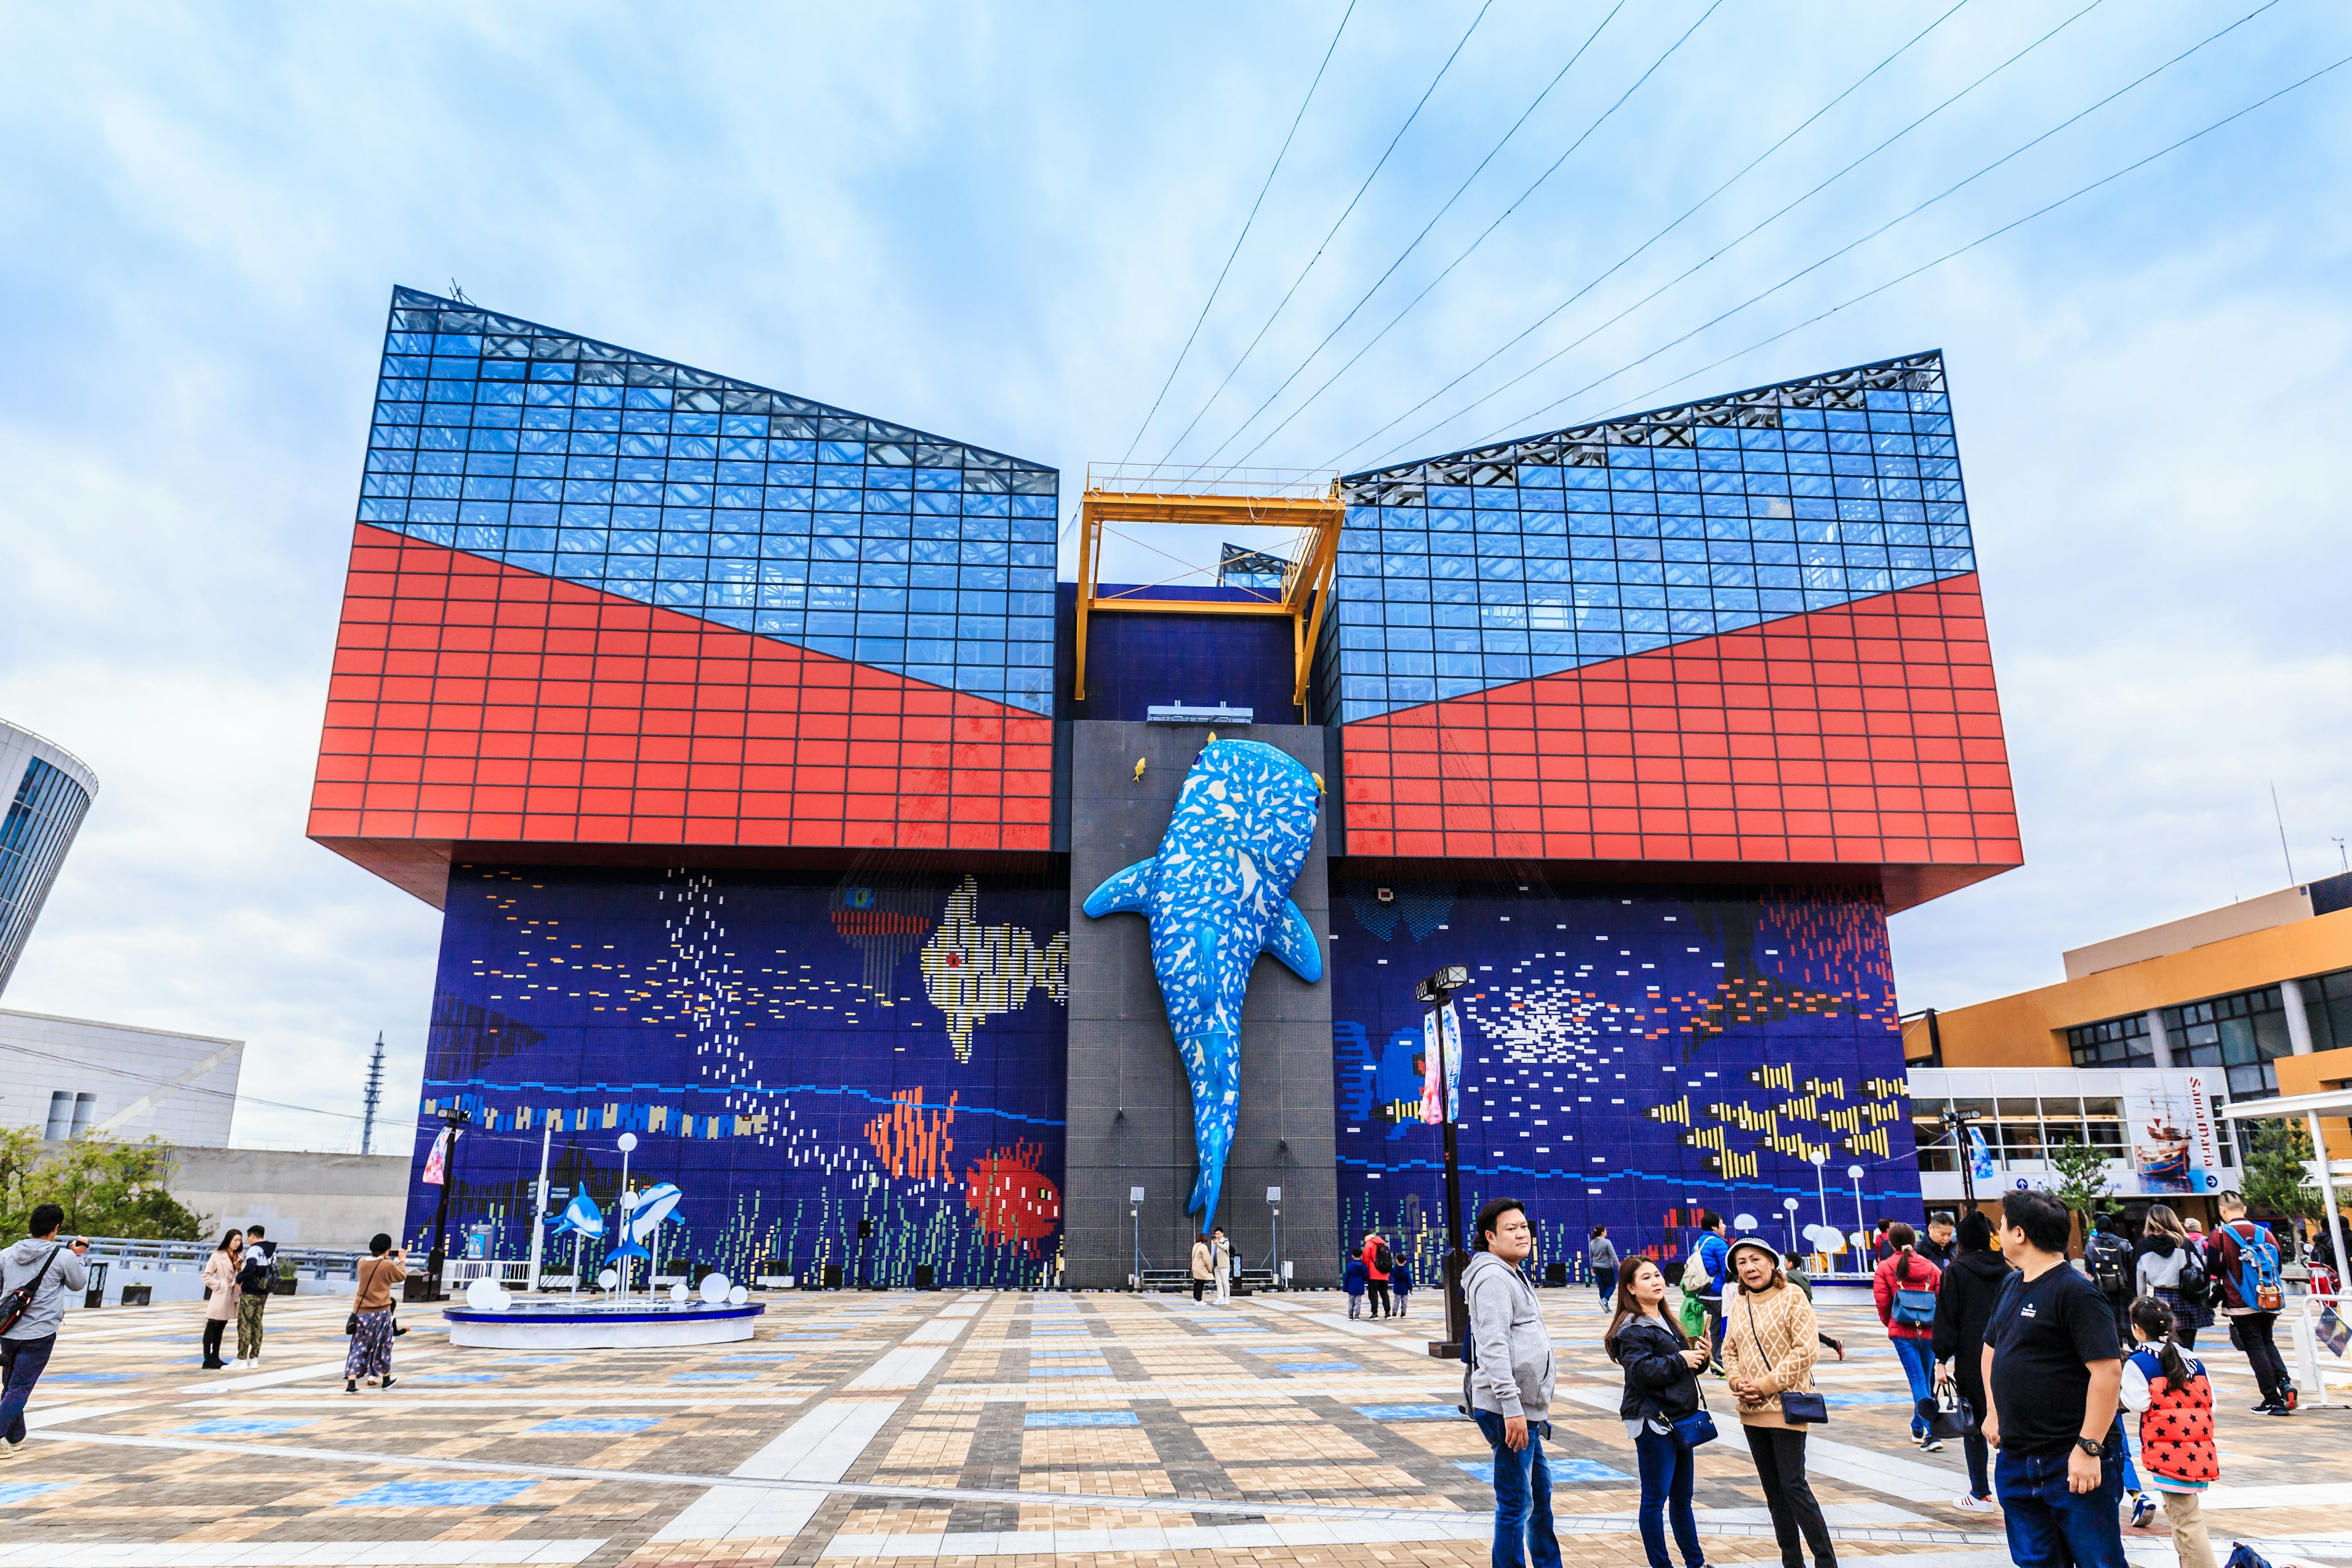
1972,1286
1662,1369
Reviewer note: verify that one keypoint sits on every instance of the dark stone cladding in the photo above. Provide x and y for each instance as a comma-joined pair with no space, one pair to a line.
1129,1107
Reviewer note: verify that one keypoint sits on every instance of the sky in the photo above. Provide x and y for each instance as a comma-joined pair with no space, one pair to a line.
1002,224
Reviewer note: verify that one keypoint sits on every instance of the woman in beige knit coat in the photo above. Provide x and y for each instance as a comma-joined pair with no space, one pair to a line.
1769,1335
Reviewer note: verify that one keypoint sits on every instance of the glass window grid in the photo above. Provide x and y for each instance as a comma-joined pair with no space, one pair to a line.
42,819
2020,1130
1617,539
636,477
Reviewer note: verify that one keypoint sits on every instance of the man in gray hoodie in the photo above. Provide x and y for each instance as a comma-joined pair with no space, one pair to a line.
25,1348
1507,1388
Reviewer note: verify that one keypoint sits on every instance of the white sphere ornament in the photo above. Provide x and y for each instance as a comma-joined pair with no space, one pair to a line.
678,1293
627,1142
715,1287
607,1279
739,1295
485,1296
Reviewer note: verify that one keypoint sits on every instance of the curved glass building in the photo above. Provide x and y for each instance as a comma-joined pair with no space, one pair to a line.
49,790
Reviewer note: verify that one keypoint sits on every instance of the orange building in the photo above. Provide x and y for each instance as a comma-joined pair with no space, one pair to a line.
2257,993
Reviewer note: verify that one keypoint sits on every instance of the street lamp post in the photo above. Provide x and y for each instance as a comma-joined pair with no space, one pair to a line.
1820,1188
453,1119
1958,1120
1135,1215
1861,1225
627,1141
1790,1204
1433,994
1273,1203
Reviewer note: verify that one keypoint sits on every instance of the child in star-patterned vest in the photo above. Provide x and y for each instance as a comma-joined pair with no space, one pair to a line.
2169,1387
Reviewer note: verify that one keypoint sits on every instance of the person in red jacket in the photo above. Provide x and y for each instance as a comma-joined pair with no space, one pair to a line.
1905,1287
1377,1258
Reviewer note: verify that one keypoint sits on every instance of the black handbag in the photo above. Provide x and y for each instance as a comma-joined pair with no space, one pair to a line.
1798,1409
1953,1416
350,1325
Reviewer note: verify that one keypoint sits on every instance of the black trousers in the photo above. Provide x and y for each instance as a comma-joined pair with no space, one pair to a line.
2254,1337
214,1329
1198,1285
1379,1290
1779,1453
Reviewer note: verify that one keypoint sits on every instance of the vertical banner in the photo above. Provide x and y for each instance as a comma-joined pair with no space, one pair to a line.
436,1165
1450,1032
1433,1071
1980,1156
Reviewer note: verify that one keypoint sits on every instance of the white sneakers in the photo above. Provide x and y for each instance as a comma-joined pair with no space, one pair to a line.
1969,1503
10,1450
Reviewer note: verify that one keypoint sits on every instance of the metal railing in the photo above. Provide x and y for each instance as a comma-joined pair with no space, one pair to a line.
169,1256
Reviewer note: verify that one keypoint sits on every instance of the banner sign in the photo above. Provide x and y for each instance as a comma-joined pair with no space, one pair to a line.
437,1164
1433,1071
2174,1147
1450,1038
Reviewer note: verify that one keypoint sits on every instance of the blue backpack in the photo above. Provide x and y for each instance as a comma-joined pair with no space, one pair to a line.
2258,1268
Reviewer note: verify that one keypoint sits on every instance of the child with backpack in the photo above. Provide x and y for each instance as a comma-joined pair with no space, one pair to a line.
2244,1260
2169,1389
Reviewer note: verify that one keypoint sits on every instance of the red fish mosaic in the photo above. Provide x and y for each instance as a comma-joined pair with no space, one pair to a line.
1017,1205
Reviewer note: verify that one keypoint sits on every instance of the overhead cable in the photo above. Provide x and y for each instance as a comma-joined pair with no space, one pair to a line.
1441,277
1901,217
1236,250
1989,236
1285,300
1723,250
1689,211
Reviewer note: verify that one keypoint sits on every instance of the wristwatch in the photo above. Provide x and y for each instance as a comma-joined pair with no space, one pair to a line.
2090,1448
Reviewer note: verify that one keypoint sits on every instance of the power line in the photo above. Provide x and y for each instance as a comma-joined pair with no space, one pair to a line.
1359,196
1852,88
1742,239
1236,250
1441,277
1995,233
1900,218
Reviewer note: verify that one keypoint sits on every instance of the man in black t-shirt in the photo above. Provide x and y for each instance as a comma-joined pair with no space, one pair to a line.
2054,1369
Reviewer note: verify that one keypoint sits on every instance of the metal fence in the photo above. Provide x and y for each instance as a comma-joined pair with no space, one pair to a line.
167,1256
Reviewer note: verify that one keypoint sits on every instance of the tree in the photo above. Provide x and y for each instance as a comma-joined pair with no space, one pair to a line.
106,1188
2083,1181
2277,1178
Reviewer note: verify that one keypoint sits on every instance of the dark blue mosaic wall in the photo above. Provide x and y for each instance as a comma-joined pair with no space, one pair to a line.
1633,1055
859,1070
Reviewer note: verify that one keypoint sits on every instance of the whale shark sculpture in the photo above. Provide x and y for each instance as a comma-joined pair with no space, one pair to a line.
1217,895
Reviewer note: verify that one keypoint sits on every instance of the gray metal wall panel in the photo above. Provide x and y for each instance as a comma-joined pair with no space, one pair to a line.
1129,1111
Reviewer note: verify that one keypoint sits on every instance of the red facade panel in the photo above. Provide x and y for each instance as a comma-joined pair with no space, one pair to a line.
473,701
1865,735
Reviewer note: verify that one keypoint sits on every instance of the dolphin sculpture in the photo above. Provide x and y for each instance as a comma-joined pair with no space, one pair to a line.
1217,895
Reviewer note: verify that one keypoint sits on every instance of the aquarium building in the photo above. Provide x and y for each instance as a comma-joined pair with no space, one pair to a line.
762,764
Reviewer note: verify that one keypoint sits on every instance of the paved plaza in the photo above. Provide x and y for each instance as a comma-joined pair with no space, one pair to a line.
965,1427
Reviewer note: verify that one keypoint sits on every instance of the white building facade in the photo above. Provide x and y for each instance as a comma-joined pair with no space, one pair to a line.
68,1076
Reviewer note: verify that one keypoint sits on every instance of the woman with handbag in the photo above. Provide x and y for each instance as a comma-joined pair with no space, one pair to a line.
2171,1268
1905,1285
1664,1412
221,1296
1963,1307
370,1324
1769,1334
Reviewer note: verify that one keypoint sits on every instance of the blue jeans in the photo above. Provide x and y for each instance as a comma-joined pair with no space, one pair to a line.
25,1360
1668,1466
1522,1497
1918,1359
2051,1527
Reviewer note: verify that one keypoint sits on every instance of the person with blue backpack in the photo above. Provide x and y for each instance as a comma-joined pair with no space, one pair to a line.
1905,1287
2243,1260
1704,1273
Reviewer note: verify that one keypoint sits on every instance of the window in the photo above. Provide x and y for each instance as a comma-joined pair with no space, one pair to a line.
2020,1124
2113,1043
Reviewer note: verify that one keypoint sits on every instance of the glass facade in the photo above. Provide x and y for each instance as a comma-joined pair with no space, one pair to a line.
1741,631
730,502
1470,570
601,598
43,816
